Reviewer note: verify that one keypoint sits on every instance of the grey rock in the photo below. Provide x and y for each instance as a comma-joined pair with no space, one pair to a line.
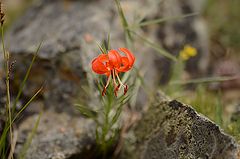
59,136
170,129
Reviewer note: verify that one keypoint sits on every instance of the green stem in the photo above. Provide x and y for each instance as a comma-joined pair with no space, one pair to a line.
25,79
106,125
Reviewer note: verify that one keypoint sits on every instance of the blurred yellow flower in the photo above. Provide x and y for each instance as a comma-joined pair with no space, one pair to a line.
187,52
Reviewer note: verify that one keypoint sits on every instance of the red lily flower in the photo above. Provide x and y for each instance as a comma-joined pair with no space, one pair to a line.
111,64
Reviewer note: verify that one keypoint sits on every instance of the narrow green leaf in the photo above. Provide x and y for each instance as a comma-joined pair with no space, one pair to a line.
27,104
108,42
204,80
28,142
116,116
128,35
219,110
25,78
3,140
157,21
86,111
104,46
121,102
102,49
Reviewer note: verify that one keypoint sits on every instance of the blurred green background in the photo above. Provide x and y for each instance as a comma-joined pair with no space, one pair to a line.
223,17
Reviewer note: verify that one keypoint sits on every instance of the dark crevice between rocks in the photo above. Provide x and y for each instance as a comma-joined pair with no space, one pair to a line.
94,152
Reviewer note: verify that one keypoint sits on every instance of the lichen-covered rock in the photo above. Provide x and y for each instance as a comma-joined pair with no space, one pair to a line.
170,130
69,30
58,136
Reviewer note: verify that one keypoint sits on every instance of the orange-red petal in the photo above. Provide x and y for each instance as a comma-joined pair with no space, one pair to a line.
127,61
124,66
115,59
130,56
99,64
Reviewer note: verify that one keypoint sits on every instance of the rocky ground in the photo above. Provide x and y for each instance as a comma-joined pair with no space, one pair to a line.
69,29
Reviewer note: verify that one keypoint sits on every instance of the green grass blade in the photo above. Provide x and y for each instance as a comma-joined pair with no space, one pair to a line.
161,20
27,104
104,46
219,110
3,140
125,25
204,80
156,47
25,78
28,142
103,50
6,129
108,42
